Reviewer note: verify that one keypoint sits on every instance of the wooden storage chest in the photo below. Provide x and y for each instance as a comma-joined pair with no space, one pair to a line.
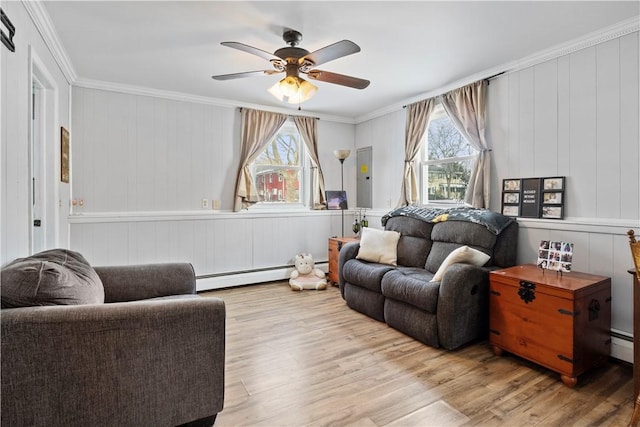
562,322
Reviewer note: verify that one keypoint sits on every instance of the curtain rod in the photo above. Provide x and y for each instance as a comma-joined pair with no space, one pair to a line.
288,115
486,78
495,75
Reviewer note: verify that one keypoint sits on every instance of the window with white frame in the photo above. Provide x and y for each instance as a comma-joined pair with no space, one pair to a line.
446,161
280,171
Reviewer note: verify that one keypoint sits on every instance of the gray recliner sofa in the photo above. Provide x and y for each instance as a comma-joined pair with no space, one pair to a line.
448,313
108,346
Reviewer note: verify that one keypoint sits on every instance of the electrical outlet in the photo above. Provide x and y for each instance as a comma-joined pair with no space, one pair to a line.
205,203
215,204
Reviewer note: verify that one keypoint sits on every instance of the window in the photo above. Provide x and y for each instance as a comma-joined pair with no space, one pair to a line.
446,161
279,171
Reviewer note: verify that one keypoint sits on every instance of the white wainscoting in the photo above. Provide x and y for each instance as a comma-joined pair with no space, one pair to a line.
226,249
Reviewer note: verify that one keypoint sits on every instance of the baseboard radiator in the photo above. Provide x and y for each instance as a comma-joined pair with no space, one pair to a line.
622,345
209,282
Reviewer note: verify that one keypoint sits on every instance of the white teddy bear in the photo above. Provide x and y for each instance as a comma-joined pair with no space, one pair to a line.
305,276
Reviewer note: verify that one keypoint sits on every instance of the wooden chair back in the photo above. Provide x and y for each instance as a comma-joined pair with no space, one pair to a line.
635,254
635,251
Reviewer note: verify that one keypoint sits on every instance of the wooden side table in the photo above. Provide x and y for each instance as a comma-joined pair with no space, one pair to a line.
335,244
562,322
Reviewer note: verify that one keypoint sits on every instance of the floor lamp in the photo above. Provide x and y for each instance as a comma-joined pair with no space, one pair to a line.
342,155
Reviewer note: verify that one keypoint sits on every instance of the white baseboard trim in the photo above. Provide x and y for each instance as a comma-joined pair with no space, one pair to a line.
248,278
622,349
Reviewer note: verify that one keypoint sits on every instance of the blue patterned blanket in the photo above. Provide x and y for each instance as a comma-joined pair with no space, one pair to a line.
493,221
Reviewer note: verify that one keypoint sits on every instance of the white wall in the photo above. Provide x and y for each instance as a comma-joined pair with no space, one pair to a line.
142,164
135,153
385,135
576,115
15,92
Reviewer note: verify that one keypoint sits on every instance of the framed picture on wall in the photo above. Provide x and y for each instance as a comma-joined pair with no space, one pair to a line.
534,197
552,212
551,198
336,200
510,185
64,155
553,183
511,210
511,198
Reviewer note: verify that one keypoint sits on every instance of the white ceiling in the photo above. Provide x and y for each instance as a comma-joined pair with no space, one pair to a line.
408,48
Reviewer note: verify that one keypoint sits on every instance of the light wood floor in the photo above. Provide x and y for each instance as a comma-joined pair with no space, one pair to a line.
305,358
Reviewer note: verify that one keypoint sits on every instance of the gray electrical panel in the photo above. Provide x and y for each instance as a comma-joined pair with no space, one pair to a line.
363,182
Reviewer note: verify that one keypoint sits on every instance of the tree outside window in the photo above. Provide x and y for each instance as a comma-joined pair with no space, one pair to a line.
278,171
447,161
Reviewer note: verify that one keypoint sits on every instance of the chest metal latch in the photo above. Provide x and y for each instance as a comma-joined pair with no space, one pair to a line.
527,291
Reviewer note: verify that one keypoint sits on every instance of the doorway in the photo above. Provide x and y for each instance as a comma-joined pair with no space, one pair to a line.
43,157
37,166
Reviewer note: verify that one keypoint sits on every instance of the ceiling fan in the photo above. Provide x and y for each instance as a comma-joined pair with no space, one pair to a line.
292,61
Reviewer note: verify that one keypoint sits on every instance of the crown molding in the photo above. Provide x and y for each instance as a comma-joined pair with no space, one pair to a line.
180,96
43,24
605,34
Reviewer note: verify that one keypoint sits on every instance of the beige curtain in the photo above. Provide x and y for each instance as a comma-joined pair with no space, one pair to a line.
417,119
308,128
258,127
467,107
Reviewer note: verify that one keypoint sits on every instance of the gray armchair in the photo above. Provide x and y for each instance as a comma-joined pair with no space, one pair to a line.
151,355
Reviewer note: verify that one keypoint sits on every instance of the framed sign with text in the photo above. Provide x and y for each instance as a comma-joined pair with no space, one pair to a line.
534,197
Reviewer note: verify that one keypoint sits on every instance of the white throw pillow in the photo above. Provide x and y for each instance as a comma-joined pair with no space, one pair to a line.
463,254
379,246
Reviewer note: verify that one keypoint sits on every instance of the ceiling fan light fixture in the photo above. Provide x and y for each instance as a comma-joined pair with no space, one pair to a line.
293,89
294,60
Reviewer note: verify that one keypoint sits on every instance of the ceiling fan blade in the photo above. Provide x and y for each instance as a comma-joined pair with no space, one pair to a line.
246,74
252,50
331,52
338,79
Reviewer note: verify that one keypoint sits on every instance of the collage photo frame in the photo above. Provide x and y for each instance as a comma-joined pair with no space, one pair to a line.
542,197
555,255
